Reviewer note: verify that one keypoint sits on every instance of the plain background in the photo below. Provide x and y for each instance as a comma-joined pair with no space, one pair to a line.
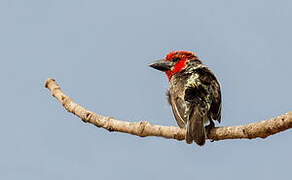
98,51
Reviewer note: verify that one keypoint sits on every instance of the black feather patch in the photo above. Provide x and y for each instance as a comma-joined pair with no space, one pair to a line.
195,94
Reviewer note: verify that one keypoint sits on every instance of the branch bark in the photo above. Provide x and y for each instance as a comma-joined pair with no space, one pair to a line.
260,129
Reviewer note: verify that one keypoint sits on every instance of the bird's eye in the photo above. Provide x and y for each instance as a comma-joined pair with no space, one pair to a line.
175,59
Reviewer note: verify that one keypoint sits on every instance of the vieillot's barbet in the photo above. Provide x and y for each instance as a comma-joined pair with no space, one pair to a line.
194,93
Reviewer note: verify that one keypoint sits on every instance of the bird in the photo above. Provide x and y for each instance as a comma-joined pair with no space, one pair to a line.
194,93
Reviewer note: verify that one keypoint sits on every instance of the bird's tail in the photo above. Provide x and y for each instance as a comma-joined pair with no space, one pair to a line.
195,127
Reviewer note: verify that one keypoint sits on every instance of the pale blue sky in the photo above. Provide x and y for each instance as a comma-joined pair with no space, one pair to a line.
98,52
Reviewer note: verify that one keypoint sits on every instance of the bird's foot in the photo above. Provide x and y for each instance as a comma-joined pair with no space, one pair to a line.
209,127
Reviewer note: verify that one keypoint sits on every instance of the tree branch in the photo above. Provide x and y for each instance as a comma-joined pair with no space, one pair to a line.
261,129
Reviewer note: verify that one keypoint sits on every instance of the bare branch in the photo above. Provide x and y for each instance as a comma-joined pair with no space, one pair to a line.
261,129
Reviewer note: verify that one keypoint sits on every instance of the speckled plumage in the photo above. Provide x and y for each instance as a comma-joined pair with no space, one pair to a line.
195,87
194,94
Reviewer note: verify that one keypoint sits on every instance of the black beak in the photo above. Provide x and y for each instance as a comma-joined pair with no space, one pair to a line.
161,65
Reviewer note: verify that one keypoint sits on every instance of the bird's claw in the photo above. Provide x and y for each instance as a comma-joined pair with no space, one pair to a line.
209,128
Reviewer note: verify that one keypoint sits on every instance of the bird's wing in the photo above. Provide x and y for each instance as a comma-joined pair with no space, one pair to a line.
216,101
208,78
178,106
